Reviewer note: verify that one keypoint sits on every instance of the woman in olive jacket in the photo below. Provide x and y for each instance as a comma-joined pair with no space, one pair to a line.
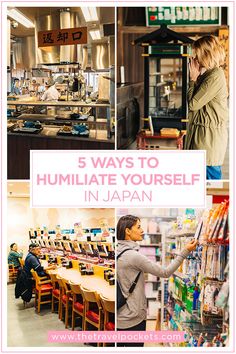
132,316
207,104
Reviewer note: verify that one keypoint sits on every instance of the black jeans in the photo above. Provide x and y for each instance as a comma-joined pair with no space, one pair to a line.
139,327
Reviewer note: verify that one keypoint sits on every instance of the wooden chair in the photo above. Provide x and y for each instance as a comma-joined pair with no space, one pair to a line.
61,291
12,273
108,308
77,304
65,299
109,315
93,313
43,288
55,291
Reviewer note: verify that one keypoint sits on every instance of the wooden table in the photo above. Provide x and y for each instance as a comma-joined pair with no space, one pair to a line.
144,144
91,282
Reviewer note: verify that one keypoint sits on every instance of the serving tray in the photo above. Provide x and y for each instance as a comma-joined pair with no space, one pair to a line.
27,130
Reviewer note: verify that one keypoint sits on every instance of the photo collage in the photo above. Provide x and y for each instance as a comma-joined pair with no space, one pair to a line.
124,81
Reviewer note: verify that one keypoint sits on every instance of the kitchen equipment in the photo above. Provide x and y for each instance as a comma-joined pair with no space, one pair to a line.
63,113
75,116
81,130
31,124
51,111
65,130
103,88
34,116
10,126
83,117
27,130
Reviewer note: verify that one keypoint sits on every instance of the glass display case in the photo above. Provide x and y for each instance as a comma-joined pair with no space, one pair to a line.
165,88
61,118
166,55
64,125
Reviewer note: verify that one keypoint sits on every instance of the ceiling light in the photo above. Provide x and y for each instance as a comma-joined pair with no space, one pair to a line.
19,17
95,34
90,13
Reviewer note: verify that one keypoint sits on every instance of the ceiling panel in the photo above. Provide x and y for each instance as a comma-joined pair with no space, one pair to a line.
106,15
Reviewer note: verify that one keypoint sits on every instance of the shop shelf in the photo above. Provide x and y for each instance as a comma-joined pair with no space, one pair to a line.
181,234
194,316
151,245
181,275
153,234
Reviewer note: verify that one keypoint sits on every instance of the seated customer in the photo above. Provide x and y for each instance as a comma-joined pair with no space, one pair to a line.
32,261
14,255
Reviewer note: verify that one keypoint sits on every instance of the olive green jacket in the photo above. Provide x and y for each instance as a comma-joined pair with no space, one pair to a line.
208,116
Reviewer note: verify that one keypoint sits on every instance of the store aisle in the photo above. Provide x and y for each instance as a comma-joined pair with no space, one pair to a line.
151,326
28,329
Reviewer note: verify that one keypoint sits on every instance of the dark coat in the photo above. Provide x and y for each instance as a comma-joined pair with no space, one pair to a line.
24,286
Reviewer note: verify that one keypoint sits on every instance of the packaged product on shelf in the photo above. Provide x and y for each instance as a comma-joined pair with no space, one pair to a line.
198,292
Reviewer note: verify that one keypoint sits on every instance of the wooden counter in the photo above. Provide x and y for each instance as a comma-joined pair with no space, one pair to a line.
91,282
19,146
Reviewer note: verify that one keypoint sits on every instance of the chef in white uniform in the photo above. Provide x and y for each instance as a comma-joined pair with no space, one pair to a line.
51,94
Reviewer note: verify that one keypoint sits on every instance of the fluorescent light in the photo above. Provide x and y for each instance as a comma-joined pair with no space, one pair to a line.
95,34
19,17
90,13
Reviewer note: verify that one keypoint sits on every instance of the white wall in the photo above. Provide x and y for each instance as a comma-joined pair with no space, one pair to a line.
21,218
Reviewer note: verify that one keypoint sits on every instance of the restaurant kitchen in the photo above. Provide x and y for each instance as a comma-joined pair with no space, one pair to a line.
60,81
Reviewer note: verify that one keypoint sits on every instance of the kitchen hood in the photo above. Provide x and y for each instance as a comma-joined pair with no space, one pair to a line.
91,56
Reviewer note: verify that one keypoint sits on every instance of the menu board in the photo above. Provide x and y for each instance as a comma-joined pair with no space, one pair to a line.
182,16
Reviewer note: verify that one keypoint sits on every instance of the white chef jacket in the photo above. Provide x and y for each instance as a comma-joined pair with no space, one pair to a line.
51,94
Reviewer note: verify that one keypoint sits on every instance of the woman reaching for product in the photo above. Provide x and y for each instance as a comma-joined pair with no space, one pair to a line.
207,104
132,316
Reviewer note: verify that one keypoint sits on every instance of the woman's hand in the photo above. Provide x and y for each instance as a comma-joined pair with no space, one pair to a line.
191,246
194,69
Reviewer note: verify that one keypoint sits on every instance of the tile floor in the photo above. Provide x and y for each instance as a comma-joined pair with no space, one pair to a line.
26,328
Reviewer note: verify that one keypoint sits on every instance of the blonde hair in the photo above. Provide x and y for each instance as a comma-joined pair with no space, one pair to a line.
209,52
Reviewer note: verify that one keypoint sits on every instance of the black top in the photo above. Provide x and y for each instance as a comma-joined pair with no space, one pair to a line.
32,262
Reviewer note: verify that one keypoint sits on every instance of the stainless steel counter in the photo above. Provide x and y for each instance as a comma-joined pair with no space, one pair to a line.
32,102
56,103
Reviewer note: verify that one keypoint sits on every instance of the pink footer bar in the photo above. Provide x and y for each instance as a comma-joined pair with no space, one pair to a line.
116,336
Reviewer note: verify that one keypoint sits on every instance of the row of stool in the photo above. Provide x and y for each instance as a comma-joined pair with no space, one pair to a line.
75,300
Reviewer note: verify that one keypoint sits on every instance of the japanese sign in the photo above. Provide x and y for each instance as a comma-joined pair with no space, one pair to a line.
65,36
182,16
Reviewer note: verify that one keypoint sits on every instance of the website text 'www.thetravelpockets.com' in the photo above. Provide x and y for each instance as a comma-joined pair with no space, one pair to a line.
116,337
